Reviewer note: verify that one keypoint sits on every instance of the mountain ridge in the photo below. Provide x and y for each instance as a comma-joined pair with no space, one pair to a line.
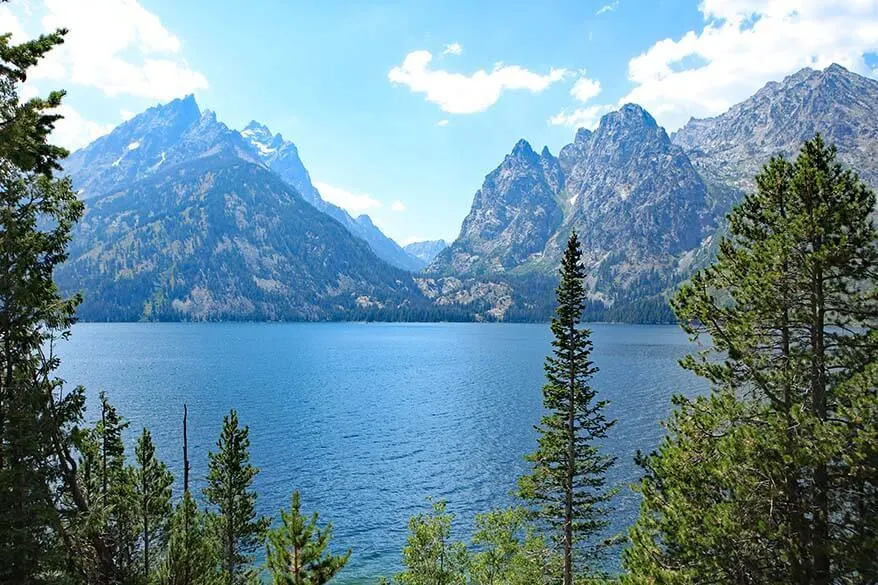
649,208
170,133
648,205
221,238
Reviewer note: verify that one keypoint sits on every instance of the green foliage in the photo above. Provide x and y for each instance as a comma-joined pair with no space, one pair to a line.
25,127
567,485
152,496
235,525
772,478
506,549
509,551
37,213
430,556
192,554
296,549
117,496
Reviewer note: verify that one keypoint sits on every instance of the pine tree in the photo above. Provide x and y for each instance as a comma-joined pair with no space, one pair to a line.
772,478
102,520
430,556
118,505
191,557
296,550
37,213
152,491
567,486
236,526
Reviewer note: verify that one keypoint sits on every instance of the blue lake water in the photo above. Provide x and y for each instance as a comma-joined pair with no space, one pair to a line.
368,420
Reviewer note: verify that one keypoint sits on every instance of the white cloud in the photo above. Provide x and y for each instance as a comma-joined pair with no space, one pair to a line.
397,206
607,8
116,46
356,203
442,123
585,89
587,117
453,49
743,45
457,93
74,131
9,23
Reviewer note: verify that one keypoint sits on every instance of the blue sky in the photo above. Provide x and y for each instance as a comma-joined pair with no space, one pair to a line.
399,109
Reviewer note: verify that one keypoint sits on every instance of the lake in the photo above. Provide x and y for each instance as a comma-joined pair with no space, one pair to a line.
368,420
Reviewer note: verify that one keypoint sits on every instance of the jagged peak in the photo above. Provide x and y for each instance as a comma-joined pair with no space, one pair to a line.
188,99
628,116
364,219
833,70
836,68
254,128
546,153
185,106
186,103
523,148
254,125
582,135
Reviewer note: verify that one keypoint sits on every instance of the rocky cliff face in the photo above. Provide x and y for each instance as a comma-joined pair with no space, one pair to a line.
647,207
631,194
841,105
636,201
512,218
160,137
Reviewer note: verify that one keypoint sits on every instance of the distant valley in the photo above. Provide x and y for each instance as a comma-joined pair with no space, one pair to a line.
188,219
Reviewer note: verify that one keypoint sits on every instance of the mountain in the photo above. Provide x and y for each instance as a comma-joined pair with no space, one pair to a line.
221,238
158,138
169,134
841,105
425,251
282,157
635,199
512,217
646,206
187,219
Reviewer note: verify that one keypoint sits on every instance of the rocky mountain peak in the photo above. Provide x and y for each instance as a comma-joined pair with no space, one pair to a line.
582,135
512,215
177,114
522,150
629,135
777,119
258,128
266,144
628,118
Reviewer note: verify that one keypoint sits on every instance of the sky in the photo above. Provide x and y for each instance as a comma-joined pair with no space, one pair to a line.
400,108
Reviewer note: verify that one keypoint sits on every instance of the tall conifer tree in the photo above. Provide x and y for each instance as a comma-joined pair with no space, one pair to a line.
296,550
772,478
567,486
152,492
37,213
237,528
